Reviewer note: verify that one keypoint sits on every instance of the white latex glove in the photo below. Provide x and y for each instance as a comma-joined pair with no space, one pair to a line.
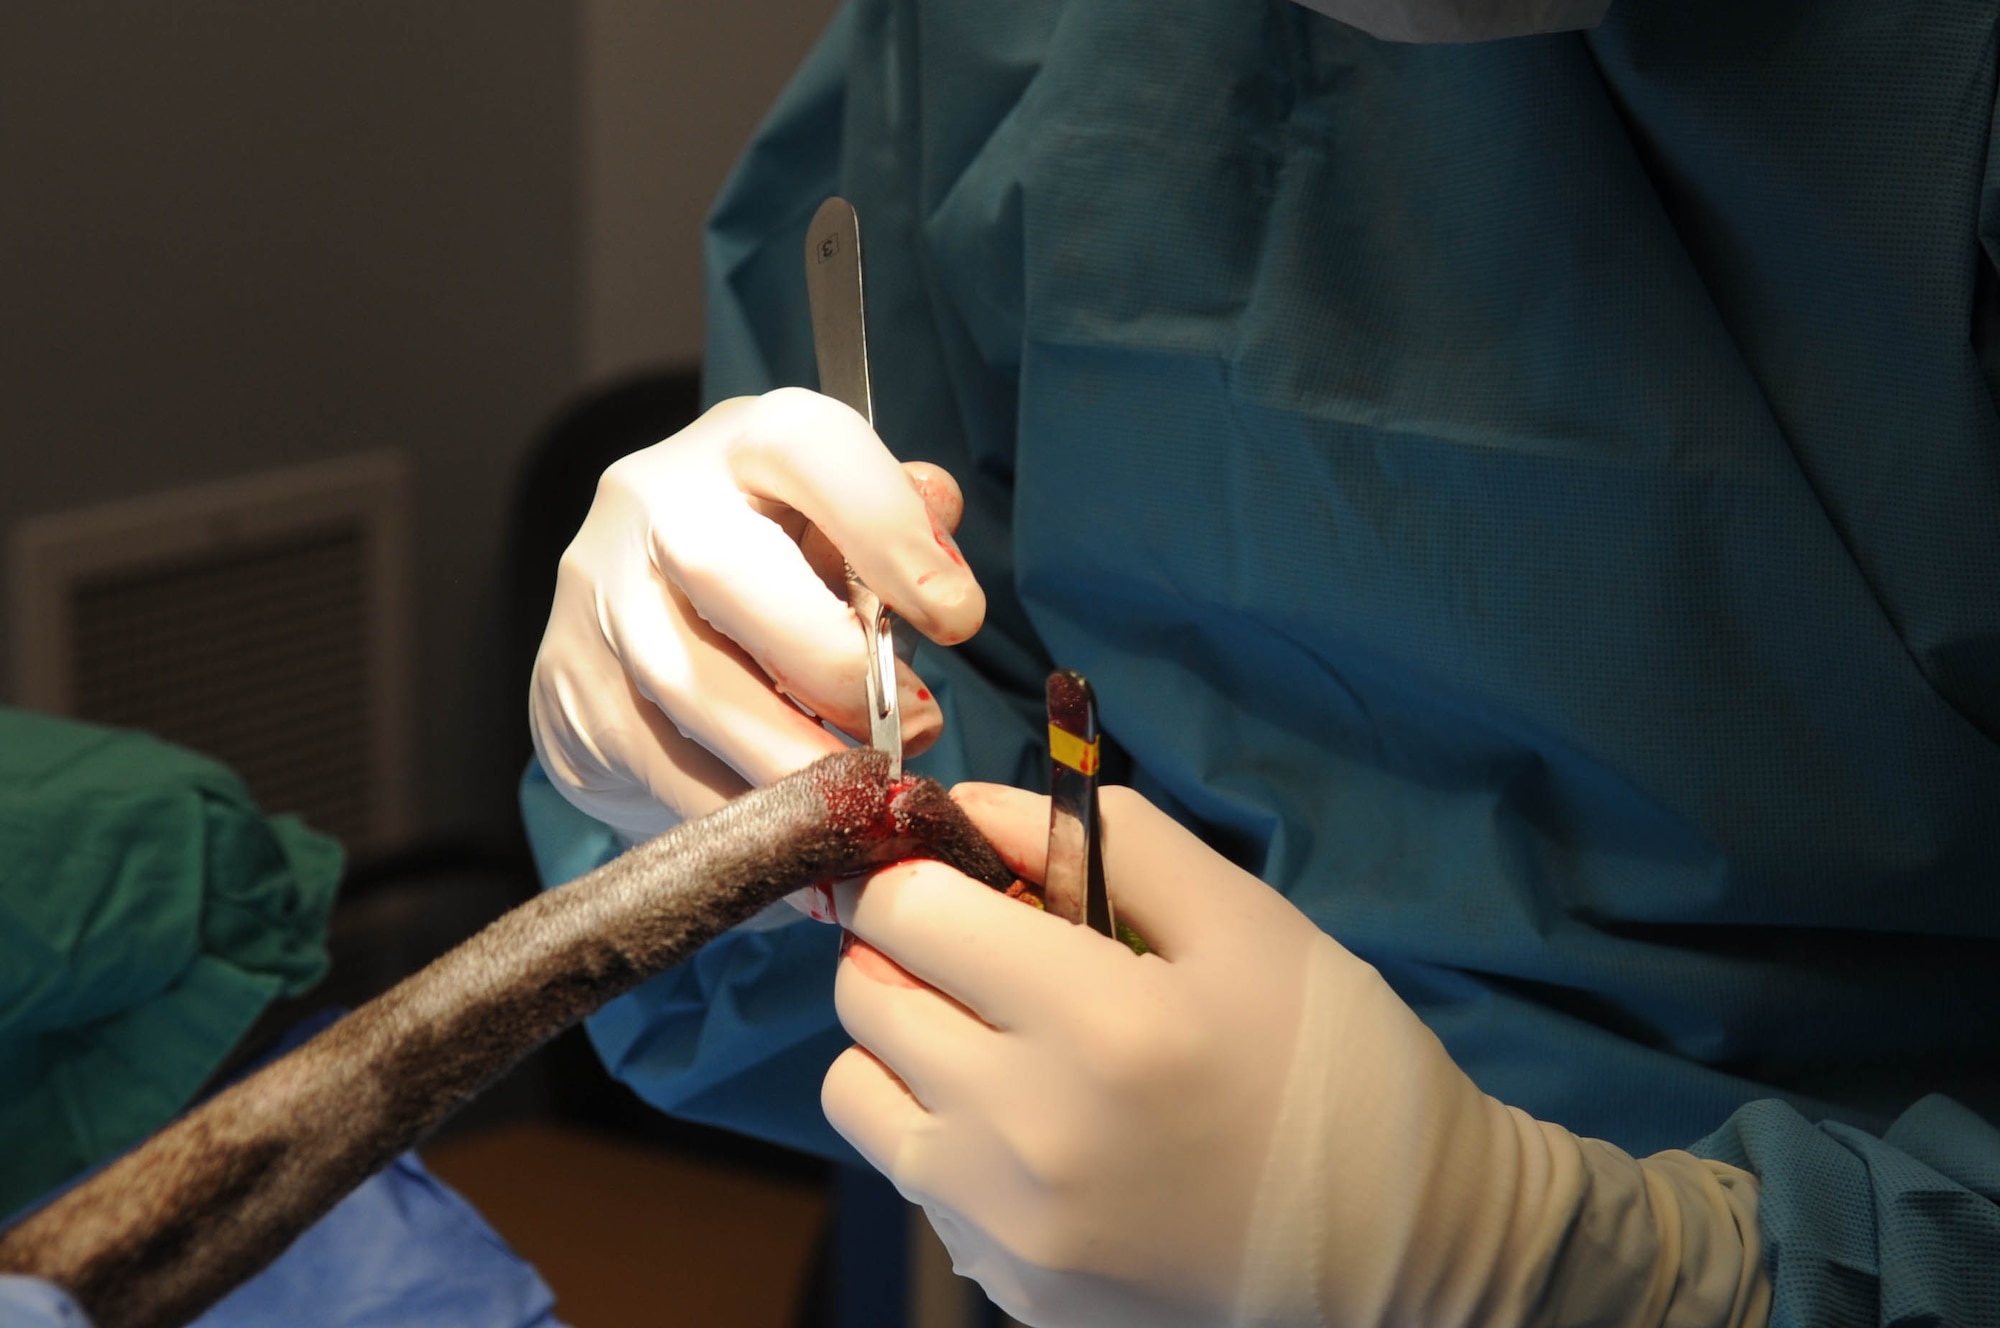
1244,1127
701,592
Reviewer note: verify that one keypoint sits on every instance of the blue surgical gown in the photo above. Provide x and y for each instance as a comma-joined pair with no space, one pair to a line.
1535,503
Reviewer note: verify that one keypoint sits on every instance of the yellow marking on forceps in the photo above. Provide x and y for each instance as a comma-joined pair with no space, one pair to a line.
1073,751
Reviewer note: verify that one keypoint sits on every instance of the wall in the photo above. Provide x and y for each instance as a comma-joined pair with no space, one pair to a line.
237,235
671,90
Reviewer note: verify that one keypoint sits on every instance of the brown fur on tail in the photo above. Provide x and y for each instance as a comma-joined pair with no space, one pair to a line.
169,1229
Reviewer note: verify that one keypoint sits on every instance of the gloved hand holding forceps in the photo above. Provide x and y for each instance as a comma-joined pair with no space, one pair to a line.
1245,1126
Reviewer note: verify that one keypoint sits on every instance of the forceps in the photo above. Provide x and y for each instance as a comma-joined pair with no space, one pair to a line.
1074,886
840,343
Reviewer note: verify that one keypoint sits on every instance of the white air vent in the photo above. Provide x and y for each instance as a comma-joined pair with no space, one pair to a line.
258,620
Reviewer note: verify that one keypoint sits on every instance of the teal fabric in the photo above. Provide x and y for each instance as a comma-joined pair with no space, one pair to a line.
148,914
1535,503
1896,1230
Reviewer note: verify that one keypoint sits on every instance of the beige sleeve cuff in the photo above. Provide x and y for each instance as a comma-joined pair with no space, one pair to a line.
1670,1241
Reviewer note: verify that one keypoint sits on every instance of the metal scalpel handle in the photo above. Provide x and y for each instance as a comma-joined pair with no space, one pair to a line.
833,286
840,343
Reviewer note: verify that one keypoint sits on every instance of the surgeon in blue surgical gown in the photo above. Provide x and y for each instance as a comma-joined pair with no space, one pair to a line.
1524,481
